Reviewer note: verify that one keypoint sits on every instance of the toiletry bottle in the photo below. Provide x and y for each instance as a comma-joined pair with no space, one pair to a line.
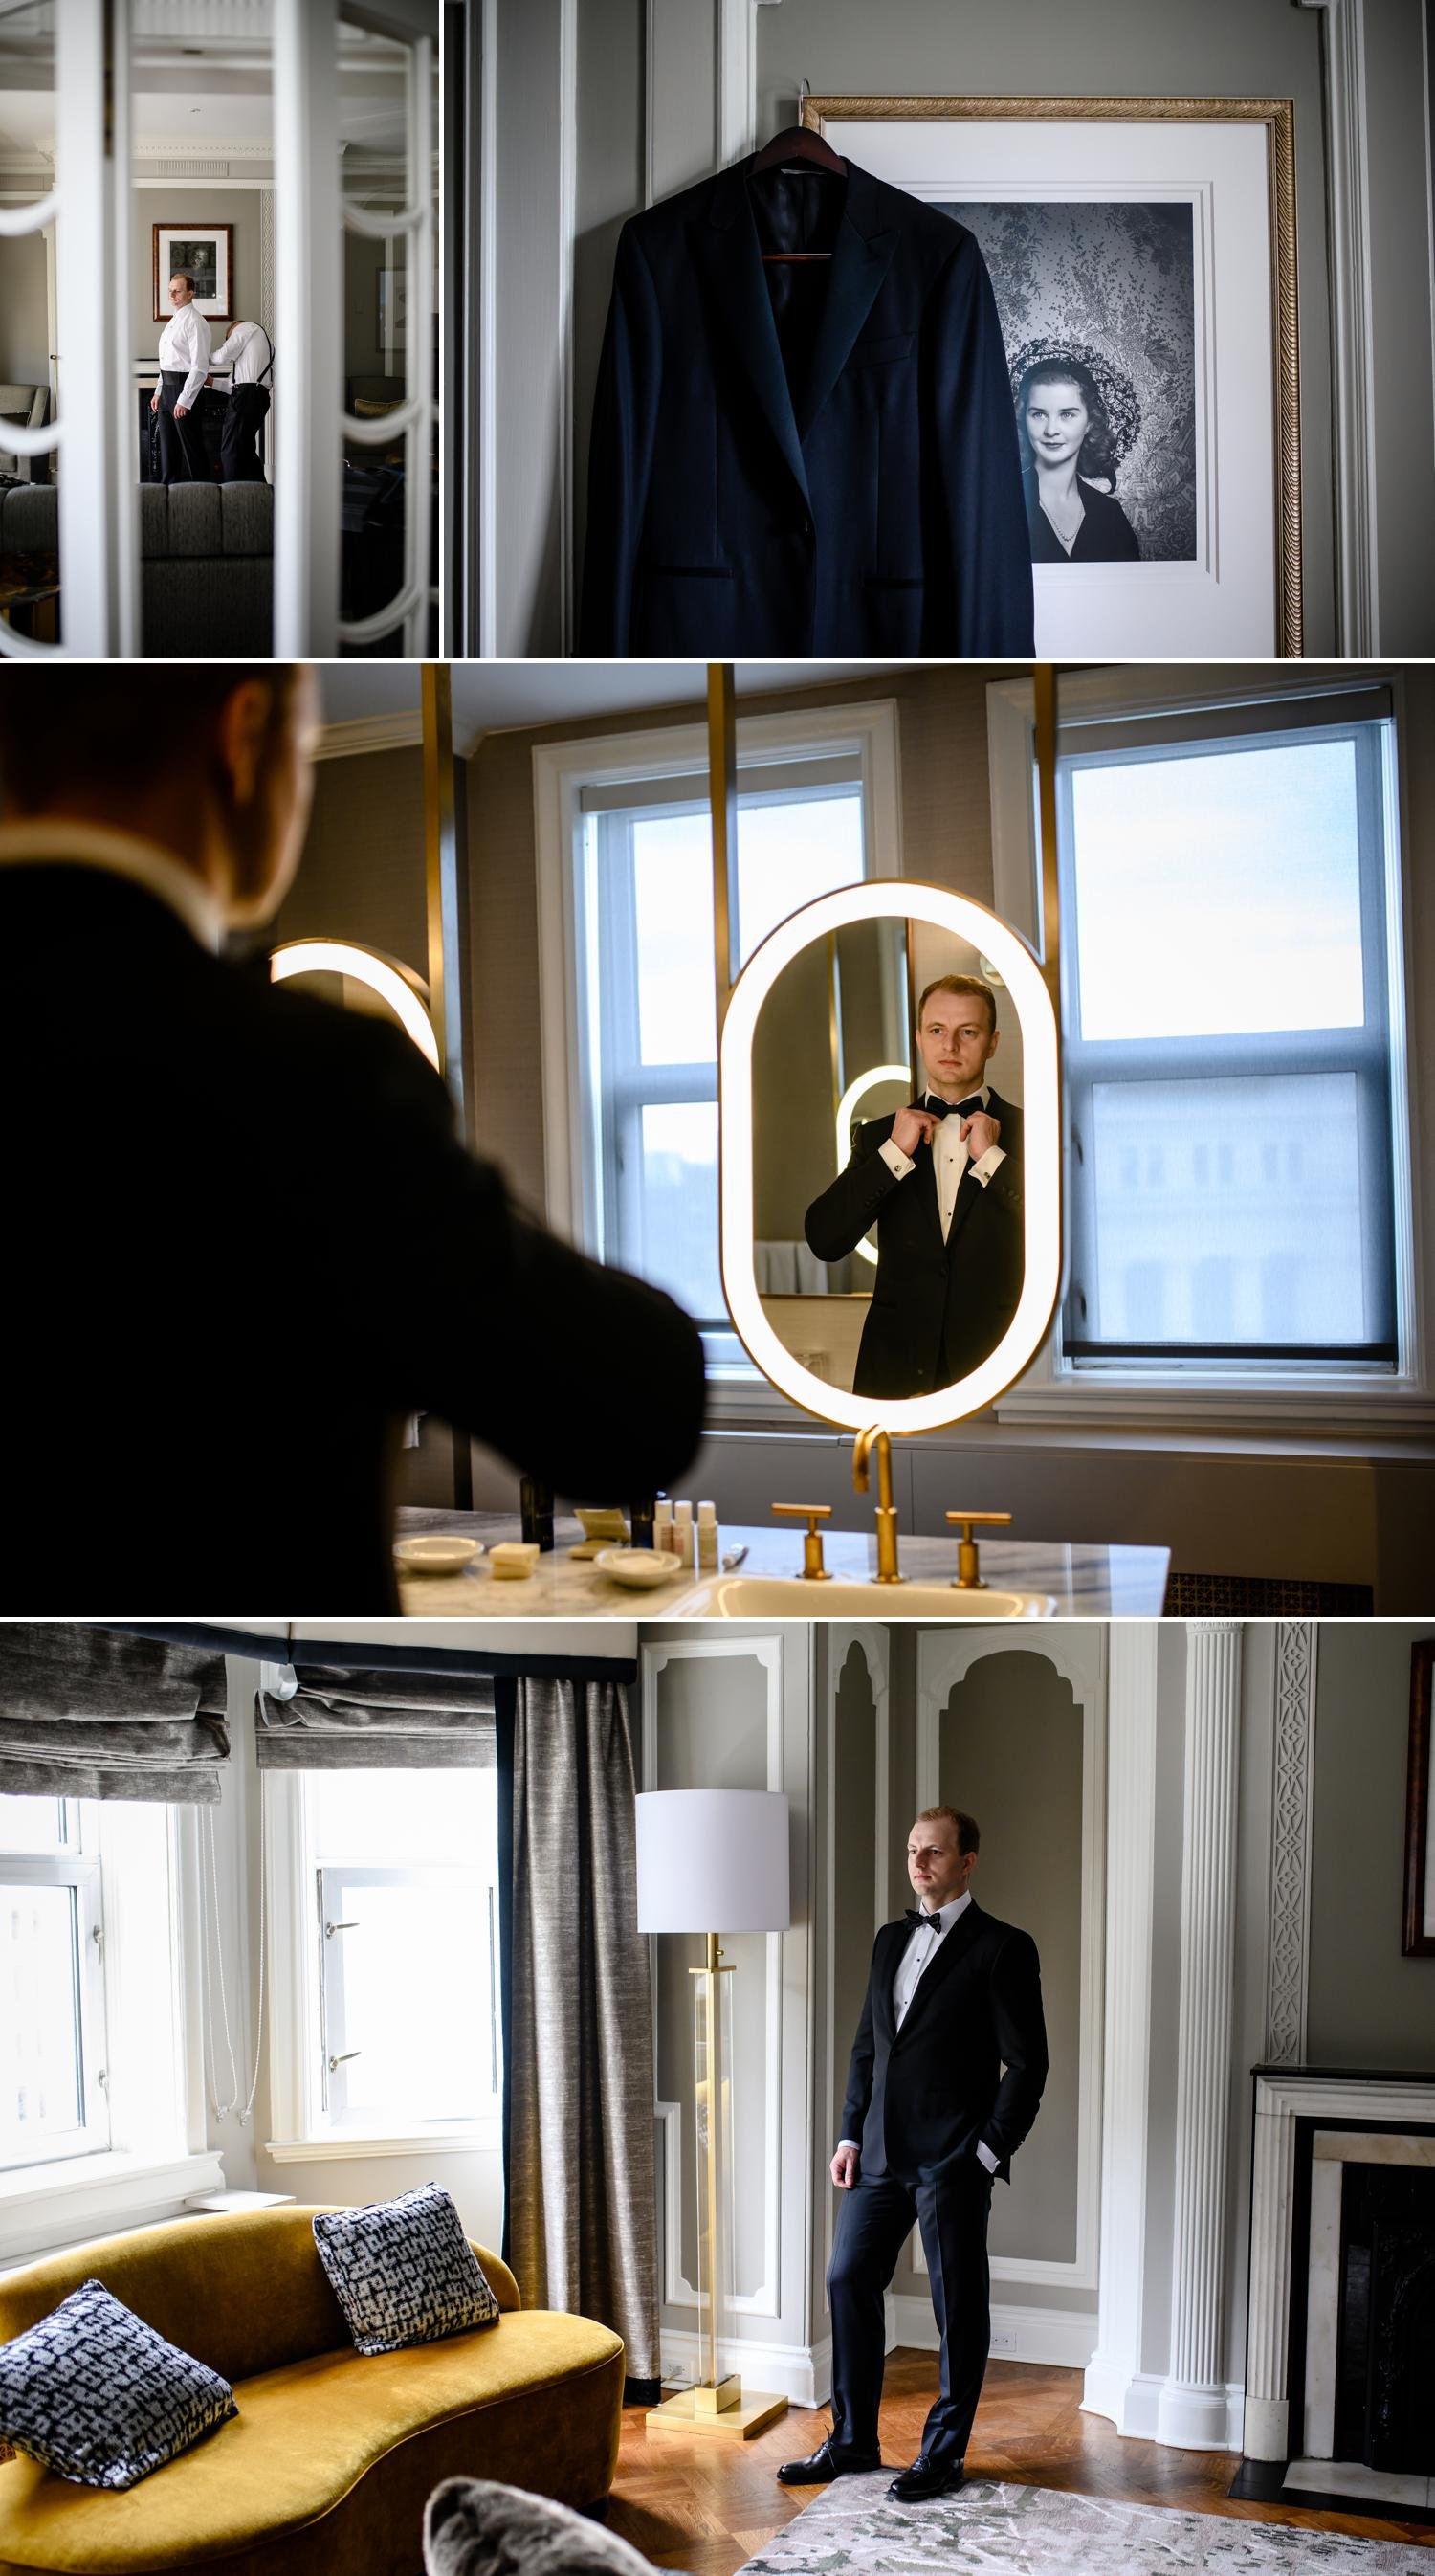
640,1522
535,1504
707,1539
663,1525
683,1531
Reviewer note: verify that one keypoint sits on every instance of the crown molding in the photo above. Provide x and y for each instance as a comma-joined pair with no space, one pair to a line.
370,733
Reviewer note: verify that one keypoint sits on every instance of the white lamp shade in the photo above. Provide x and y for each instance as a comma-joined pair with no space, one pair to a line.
713,1860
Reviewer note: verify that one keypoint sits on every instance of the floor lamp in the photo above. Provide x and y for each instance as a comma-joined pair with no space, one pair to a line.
706,1857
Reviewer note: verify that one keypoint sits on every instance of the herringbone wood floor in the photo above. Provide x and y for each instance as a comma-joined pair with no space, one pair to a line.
697,2502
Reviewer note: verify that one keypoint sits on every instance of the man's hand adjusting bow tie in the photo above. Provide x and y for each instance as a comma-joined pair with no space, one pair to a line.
918,1123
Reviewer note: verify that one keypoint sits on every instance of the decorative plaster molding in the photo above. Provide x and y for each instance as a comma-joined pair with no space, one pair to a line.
369,733
1347,190
1292,1810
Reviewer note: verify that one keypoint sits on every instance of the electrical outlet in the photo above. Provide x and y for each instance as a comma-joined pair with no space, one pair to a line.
1003,2339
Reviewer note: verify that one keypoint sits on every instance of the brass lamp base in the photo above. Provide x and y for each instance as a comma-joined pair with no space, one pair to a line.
693,2410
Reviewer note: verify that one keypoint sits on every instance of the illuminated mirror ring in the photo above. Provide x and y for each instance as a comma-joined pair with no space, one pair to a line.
871,1080
888,899
364,966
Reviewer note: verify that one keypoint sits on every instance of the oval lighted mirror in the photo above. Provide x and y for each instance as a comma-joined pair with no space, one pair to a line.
891,1158
360,979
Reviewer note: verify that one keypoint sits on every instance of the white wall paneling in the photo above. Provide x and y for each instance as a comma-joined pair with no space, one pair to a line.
1076,1650
1115,2365
1347,179
873,1643
1193,2410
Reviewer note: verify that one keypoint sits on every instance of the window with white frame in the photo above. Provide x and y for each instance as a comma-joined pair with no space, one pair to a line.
639,899
53,2077
1229,883
396,1953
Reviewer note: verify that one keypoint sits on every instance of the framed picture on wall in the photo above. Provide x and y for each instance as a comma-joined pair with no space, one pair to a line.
206,253
1142,255
1419,1938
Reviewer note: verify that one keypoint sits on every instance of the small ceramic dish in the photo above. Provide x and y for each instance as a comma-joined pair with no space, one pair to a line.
641,1568
439,1552
513,1558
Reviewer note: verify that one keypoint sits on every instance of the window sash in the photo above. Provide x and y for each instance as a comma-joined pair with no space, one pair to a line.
331,1878
79,1872
1362,1052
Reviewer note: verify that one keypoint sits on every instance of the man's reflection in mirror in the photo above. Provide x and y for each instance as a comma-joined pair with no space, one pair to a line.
941,1180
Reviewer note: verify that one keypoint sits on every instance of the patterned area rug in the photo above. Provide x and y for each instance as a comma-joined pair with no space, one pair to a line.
851,2530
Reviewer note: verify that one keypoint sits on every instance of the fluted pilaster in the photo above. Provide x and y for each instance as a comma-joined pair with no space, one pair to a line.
1192,2410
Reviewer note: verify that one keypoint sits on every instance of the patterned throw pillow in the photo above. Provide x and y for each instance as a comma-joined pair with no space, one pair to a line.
403,2271
95,2394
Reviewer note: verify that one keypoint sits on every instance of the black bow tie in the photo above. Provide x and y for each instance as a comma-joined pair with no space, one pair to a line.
952,1108
927,1922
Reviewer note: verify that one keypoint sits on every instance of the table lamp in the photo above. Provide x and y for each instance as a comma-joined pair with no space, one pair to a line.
713,1858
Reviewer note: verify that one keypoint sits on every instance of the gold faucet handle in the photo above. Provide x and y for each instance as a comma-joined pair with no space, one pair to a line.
813,1569
969,1576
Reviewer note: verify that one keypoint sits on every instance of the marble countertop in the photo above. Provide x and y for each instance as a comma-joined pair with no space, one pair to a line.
1086,1581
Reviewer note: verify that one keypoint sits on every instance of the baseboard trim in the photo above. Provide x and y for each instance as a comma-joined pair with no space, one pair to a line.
801,2374
1062,2338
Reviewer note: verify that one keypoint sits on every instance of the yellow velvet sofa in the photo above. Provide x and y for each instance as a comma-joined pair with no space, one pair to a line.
325,2469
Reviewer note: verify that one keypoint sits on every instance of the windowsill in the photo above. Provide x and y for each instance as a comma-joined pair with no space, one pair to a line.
1193,1401
47,2205
476,2137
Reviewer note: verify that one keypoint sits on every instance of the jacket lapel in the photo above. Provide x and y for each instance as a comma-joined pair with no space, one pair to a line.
726,250
958,1941
860,261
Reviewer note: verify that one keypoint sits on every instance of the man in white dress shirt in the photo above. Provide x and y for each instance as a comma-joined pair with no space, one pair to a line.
184,345
946,2077
249,354
941,1181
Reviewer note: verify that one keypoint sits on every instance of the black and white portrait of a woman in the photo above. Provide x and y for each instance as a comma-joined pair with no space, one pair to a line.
1097,307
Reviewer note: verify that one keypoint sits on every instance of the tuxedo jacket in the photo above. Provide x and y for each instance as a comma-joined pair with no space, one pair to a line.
803,459
929,1296
969,2062
243,1243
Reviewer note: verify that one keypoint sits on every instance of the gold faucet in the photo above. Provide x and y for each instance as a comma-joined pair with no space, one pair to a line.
862,1448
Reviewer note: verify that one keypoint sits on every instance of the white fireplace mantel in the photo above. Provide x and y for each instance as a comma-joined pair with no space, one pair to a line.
1282,2098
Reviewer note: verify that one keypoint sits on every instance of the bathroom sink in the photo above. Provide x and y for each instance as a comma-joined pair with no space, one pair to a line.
778,1596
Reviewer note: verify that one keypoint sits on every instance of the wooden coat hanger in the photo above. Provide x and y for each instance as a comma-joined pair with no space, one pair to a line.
799,143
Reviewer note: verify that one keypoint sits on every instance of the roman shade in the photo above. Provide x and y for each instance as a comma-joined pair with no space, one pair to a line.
90,1712
338,1718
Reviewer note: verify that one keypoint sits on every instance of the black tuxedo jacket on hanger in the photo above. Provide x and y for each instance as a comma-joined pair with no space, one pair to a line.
244,1242
969,2062
930,1296
803,460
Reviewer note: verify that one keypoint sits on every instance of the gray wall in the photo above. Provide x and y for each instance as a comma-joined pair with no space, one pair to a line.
196,202
1368,2006
24,331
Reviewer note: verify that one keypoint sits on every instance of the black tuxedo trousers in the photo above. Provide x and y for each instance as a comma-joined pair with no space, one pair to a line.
950,2203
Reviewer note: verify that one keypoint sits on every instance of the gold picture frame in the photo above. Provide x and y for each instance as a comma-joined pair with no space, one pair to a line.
1277,116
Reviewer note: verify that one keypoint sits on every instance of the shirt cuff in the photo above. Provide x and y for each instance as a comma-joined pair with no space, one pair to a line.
847,2142
898,1163
989,1163
983,2150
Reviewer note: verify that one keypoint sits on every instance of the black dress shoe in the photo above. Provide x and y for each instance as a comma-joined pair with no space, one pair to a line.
824,2465
925,2479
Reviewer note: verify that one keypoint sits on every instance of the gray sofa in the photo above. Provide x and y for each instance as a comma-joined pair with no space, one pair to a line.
206,563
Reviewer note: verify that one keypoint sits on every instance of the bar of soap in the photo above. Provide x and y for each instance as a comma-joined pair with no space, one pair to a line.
513,1558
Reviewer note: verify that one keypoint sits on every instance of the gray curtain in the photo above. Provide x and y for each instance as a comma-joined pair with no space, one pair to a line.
578,2025
340,1720
88,1712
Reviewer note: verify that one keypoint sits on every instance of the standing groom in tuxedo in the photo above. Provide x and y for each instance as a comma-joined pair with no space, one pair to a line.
942,1182
946,2075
